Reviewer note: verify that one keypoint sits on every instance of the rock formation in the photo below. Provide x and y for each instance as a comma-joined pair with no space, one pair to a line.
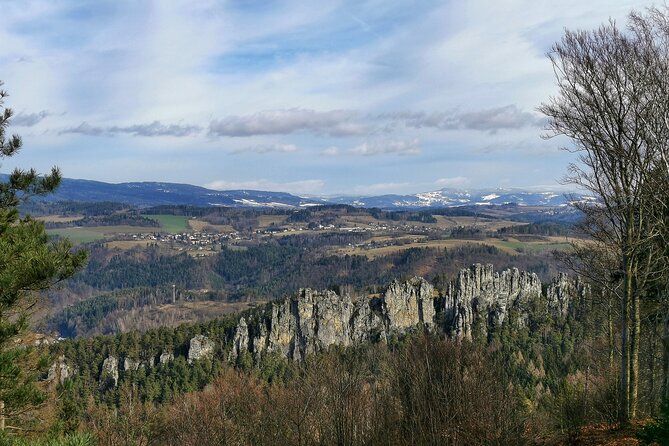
481,292
200,347
314,320
130,364
60,371
560,292
408,304
165,357
109,374
479,299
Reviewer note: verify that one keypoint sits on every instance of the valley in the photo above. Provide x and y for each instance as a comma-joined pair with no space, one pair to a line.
223,259
340,223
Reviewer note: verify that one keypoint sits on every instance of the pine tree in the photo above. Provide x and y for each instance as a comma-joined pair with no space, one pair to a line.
29,262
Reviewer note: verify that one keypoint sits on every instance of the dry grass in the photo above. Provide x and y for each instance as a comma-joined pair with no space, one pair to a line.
201,226
184,312
509,245
386,250
59,218
128,244
200,253
608,435
361,220
488,224
265,221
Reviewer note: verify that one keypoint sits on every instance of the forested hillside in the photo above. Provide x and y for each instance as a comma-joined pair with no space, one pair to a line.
134,280
539,343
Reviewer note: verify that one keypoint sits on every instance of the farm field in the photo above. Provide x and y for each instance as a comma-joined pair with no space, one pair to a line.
510,246
265,221
201,226
174,224
93,233
59,218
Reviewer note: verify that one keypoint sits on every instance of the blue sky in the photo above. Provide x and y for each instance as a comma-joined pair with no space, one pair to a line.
313,98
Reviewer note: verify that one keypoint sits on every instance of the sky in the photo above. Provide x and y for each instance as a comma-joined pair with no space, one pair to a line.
362,97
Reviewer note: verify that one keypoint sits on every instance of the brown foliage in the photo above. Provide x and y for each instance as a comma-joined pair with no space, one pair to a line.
430,391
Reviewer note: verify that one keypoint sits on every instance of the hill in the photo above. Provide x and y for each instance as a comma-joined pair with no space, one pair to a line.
147,194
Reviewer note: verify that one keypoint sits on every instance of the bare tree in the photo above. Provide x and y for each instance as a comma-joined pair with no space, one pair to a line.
612,104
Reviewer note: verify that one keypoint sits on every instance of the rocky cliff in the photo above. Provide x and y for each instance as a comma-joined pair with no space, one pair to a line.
201,347
314,320
479,294
60,370
478,299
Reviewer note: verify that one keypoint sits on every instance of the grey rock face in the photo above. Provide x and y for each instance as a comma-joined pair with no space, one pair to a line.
408,304
200,347
130,364
314,320
479,292
60,371
478,300
561,291
165,357
241,340
109,370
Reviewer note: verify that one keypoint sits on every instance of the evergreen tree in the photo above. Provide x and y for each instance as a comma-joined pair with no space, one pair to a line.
29,262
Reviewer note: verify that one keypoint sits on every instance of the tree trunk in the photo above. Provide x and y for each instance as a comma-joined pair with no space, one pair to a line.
612,345
665,358
623,404
635,338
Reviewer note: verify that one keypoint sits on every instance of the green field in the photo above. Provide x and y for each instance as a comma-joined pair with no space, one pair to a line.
90,234
77,235
173,224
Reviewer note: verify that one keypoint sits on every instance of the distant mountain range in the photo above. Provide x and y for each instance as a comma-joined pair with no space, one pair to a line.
156,193
460,197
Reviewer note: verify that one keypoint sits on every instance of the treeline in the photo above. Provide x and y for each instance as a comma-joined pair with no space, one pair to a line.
90,316
117,219
67,208
264,272
147,267
323,239
241,219
155,381
512,385
425,392
546,229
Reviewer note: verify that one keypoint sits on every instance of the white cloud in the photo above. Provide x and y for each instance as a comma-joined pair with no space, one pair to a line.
267,148
283,122
490,120
377,148
330,151
403,148
156,128
29,119
380,188
302,187
321,72
458,181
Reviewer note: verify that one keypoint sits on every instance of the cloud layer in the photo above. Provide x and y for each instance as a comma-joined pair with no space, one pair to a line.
156,128
509,117
29,119
285,122
362,95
